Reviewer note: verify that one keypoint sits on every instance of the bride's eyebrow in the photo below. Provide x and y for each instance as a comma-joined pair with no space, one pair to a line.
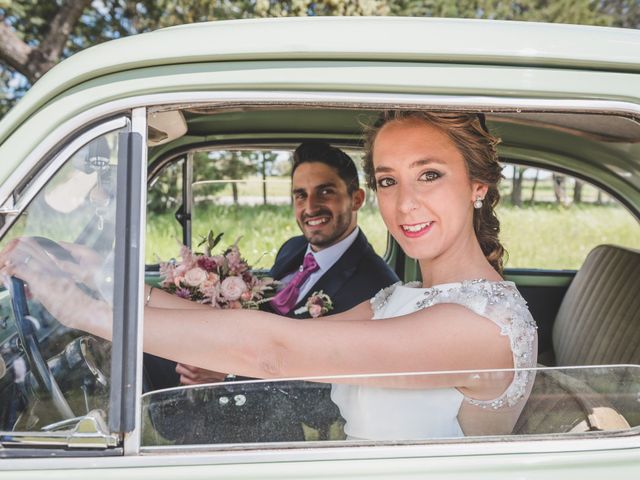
418,163
427,161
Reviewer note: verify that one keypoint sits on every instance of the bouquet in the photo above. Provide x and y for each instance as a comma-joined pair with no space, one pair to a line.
223,281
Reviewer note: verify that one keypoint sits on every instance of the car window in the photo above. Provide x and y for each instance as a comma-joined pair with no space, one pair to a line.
244,194
568,401
164,212
552,221
53,375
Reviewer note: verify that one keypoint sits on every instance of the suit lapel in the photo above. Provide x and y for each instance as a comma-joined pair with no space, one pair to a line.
334,279
289,261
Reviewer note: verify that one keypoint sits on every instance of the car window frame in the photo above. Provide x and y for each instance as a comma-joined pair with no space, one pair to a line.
562,278
371,101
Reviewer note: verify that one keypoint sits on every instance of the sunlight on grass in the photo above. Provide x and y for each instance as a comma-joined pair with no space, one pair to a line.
551,236
542,236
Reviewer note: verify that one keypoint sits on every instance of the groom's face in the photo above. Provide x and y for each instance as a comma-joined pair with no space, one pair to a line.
325,211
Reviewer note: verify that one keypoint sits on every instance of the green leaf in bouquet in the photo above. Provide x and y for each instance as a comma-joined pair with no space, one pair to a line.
210,240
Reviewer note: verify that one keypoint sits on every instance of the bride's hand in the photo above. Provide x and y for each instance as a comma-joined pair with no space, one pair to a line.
86,263
53,287
190,375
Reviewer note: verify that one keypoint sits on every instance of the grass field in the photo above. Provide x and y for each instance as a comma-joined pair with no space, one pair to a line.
545,235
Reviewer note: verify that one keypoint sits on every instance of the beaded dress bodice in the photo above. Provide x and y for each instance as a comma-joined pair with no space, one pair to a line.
379,413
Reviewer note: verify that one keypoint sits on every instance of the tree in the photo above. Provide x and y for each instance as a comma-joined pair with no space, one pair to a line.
532,200
586,12
35,35
577,191
17,47
265,162
516,183
560,189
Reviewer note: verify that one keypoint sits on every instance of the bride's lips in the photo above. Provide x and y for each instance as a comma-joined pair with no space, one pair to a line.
413,230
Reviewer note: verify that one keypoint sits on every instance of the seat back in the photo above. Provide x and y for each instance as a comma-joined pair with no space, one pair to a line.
561,403
599,319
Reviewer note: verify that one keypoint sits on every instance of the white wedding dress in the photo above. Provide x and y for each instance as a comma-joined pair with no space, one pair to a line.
381,413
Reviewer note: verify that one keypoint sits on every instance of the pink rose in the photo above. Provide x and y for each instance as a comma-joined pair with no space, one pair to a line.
213,278
232,288
246,296
195,277
209,289
315,310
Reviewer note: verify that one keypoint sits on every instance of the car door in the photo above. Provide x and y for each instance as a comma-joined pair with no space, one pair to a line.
65,393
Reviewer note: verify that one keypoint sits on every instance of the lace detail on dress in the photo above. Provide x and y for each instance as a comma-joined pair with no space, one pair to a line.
502,303
380,299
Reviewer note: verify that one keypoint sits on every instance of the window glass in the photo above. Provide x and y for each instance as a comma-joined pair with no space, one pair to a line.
551,221
244,194
51,374
164,202
582,400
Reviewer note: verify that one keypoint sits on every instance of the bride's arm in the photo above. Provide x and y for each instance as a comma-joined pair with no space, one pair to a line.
158,298
444,337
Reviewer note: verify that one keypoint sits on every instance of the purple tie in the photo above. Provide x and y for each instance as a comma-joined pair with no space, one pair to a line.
287,298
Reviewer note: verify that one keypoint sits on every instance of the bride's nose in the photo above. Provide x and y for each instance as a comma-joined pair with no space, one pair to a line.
407,199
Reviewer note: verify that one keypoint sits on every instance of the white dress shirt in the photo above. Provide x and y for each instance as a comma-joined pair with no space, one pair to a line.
325,258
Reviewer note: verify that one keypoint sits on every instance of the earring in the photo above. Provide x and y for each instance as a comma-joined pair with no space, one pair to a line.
478,203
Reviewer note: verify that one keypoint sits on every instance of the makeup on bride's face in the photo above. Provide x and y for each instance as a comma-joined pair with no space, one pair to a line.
423,189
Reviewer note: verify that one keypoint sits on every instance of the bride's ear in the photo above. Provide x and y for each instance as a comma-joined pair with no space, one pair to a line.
478,190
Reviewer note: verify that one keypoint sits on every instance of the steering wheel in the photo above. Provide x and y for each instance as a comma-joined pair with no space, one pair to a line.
28,337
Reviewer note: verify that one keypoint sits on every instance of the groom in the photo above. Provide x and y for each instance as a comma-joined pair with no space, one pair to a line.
333,256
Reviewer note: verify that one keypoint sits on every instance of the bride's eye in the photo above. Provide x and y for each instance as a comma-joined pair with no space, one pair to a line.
385,182
430,176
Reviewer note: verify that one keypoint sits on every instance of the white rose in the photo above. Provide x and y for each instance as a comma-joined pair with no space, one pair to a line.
195,277
232,287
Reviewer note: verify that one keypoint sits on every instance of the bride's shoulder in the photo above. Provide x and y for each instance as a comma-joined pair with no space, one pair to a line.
382,297
489,296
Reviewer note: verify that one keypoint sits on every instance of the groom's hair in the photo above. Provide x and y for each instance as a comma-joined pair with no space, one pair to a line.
317,151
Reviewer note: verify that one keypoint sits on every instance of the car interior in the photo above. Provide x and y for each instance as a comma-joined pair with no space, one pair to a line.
585,316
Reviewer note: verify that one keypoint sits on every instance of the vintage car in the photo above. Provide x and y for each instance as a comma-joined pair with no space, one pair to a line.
152,119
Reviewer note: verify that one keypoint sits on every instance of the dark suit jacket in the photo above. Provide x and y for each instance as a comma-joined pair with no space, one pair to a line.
357,275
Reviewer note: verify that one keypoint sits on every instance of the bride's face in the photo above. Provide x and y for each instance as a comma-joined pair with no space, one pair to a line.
423,188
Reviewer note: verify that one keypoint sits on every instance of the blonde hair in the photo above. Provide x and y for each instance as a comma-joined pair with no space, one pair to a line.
478,147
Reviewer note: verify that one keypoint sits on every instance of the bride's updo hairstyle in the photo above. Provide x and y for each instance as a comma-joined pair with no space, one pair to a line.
468,133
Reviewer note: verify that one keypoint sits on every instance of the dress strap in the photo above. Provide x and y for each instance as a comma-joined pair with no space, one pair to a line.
380,298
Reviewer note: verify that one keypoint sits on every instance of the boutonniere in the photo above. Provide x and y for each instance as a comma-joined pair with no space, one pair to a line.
318,304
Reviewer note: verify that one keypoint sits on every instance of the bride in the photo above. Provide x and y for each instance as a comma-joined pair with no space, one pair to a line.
435,177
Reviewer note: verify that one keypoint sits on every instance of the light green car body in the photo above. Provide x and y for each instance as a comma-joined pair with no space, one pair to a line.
478,65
